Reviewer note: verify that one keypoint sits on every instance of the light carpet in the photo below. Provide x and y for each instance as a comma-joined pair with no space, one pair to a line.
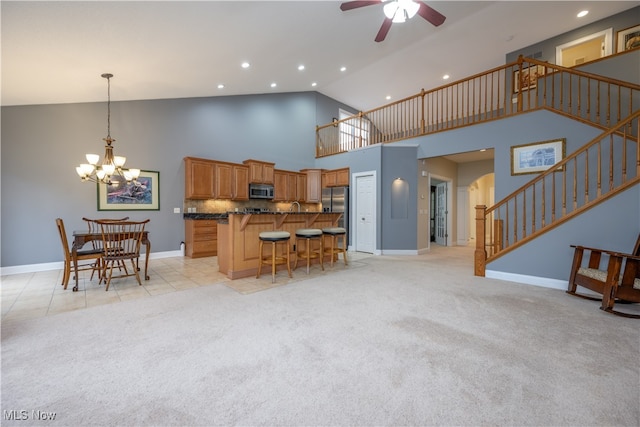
399,341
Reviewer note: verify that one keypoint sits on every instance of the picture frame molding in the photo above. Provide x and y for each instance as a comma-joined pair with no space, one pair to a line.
517,81
620,34
559,146
104,205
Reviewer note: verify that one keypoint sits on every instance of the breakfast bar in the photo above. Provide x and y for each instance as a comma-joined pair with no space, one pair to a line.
238,242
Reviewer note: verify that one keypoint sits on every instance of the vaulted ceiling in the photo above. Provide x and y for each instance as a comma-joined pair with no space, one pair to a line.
55,52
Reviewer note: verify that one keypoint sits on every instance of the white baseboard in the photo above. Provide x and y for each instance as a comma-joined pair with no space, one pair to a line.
527,280
47,266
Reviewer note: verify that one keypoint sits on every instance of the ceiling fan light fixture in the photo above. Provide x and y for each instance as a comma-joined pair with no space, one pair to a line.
410,7
390,9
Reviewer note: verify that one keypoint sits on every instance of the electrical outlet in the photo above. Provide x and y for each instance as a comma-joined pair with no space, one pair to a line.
176,210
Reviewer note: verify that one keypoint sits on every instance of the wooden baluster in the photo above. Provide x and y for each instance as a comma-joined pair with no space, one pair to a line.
575,183
543,204
553,197
506,234
624,156
598,103
533,209
524,213
564,191
586,178
610,162
515,219
599,173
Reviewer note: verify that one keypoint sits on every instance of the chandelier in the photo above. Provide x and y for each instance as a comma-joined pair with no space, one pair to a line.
111,168
401,10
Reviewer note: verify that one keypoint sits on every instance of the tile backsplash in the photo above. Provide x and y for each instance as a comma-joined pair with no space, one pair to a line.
221,206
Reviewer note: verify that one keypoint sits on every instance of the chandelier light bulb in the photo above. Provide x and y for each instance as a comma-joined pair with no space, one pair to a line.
109,169
119,161
135,173
93,159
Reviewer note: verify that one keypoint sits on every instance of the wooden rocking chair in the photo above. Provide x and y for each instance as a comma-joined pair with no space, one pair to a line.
619,283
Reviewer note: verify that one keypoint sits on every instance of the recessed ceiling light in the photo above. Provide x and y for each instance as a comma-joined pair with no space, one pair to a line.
446,76
245,65
483,150
314,84
220,86
343,69
388,97
583,13
273,84
300,67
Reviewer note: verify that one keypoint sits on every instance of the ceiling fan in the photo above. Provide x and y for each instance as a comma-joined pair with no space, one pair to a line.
397,11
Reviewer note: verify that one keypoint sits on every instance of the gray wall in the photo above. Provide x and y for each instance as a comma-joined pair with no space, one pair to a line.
42,144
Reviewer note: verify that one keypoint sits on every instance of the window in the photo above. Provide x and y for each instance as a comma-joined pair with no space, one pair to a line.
354,132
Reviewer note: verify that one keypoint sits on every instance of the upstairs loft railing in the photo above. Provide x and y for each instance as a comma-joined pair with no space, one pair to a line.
604,167
515,88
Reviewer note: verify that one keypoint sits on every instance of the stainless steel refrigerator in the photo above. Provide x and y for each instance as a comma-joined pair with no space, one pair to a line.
336,199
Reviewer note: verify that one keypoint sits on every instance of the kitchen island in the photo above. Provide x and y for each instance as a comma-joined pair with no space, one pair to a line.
238,241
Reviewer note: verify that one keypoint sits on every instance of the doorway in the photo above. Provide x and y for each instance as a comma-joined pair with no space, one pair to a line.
364,218
440,210
585,49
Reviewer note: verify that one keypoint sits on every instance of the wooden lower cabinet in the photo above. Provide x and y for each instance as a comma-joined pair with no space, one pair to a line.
201,238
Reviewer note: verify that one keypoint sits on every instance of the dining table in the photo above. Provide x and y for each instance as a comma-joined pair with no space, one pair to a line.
82,237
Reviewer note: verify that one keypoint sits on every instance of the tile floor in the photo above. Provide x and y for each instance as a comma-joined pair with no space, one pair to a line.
39,294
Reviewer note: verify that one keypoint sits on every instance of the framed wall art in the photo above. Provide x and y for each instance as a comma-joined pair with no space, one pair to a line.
142,195
528,79
536,157
628,39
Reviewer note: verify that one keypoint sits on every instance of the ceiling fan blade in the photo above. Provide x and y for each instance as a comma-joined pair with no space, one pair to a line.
358,3
431,15
384,29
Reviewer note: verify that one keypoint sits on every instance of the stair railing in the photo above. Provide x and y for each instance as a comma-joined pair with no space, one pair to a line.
522,86
604,167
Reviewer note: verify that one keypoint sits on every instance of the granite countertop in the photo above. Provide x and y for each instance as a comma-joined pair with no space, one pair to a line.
203,215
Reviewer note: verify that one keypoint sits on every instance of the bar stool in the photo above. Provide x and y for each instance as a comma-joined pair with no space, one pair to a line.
335,233
274,237
309,235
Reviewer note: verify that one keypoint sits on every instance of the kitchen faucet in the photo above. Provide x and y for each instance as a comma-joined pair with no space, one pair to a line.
294,203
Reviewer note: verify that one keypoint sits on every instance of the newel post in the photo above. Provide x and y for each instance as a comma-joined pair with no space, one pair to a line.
519,83
480,254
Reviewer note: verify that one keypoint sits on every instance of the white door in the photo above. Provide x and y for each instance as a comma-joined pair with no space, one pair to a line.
441,214
365,213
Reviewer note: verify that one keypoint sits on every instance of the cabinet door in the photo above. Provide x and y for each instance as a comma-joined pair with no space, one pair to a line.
342,177
301,187
224,180
314,186
280,179
268,174
240,183
199,179
292,187
330,179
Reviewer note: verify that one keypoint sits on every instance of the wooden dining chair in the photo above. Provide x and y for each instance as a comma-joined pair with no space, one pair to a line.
94,228
92,255
121,241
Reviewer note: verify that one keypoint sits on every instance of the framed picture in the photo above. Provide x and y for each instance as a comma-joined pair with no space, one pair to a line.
142,195
536,157
528,79
628,39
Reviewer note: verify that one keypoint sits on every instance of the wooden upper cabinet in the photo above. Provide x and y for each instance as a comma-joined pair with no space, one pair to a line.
232,181
280,185
241,182
335,178
342,177
292,186
199,178
313,192
260,172
301,187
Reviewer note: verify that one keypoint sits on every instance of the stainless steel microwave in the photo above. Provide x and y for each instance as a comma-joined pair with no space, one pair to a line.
260,191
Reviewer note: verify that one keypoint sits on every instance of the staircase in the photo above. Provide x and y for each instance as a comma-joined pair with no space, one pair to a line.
602,168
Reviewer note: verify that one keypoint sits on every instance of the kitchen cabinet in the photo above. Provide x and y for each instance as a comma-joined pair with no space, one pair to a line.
313,193
280,181
260,172
301,187
199,178
201,238
232,181
335,178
